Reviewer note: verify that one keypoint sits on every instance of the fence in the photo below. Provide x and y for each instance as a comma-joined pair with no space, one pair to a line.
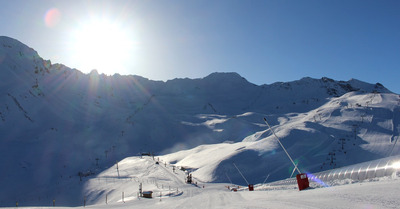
359,172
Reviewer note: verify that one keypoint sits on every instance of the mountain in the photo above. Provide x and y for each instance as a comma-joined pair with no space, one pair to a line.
56,122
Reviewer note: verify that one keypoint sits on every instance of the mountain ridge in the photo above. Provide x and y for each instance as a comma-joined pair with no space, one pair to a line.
57,121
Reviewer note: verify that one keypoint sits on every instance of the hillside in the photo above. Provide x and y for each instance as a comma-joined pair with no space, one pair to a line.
341,132
56,122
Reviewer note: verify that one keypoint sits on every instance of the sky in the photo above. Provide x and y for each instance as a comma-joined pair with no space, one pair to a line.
264,41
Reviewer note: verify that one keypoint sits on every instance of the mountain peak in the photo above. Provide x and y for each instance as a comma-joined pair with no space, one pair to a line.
13,49
10,43
6,39
229,77
337,88
223,75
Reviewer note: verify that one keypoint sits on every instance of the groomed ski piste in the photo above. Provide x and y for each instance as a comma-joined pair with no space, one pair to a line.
118,187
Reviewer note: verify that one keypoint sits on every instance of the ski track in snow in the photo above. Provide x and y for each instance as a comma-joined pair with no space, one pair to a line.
382,194
379,193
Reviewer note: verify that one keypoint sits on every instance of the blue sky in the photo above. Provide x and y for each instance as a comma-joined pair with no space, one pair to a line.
264,41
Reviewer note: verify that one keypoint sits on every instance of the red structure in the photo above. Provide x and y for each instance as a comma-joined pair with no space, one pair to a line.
302,181
251,187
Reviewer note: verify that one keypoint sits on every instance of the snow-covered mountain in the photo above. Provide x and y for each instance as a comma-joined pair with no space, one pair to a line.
56,122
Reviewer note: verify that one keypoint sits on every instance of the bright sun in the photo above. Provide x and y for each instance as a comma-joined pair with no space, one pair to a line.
102,45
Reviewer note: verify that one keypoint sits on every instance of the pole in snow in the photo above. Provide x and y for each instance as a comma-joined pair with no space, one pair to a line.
241,174
294,169
273,132
140,190
117,168
228,178
302,179
266,179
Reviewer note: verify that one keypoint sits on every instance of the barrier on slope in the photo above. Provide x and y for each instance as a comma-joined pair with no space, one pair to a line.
361,171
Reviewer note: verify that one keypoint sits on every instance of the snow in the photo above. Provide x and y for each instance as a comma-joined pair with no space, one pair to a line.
169,191
56,122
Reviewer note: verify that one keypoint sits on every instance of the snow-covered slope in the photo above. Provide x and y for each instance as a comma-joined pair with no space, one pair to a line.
353,128
118,187
56,122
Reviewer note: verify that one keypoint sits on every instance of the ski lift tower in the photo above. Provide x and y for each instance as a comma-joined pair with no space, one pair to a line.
302,179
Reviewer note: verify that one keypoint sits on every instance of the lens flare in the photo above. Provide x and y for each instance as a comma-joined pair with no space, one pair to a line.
317,180
52,17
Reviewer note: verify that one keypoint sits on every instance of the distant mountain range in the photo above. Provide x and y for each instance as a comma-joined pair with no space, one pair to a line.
56,122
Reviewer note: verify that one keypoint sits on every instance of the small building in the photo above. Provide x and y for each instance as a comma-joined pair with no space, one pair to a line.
147,194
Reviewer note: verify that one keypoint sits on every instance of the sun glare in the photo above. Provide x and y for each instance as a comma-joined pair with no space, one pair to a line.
102,45
396,165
